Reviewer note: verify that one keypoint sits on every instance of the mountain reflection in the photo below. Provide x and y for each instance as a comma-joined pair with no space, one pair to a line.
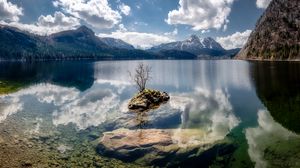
278,87
69,74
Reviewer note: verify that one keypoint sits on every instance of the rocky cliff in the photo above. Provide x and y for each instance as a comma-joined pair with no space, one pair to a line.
277,33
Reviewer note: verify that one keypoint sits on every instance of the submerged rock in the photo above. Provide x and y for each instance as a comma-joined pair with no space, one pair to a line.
147,100
155,146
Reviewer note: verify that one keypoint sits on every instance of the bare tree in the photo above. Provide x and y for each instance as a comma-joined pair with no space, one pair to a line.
141,76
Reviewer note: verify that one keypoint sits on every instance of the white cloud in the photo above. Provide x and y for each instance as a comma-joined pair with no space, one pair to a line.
173,33
9,11
122,27
138,6
201,14
59,19
97,13
263,3
138,39
47,24
125,9
236,40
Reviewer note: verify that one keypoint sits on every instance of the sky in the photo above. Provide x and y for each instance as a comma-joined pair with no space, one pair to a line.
142,23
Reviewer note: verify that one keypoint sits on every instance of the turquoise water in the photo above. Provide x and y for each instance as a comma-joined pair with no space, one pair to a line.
222,113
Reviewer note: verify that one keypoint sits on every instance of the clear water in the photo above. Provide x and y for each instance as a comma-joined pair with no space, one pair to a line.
247,114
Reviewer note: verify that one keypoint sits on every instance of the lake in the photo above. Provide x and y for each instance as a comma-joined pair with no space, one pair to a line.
221,113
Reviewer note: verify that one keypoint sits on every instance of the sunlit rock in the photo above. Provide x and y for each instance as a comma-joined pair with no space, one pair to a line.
147,146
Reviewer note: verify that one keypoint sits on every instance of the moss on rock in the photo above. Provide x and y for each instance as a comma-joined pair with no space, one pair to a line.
147,99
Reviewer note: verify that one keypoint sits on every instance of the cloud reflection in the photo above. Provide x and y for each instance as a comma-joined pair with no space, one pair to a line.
8,106
90,109
267,134
209,115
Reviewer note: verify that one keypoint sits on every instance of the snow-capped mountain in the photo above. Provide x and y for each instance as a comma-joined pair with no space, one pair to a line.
193,44
117,43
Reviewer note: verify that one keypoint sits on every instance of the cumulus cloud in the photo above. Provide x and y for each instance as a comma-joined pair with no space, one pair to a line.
263,3
9,11
236,40
59,19
97,13
125,9
138,39
201,14
47,24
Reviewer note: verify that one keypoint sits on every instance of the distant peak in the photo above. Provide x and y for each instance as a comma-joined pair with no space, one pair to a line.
84,28
193,36
209,39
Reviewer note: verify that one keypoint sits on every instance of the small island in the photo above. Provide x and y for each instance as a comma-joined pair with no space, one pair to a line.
146,99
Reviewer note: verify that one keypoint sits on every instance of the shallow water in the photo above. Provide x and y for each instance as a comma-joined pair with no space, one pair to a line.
238,113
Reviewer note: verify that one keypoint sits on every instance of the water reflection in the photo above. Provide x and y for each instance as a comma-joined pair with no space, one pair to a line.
278,87
264,140
98,93
181,75
275,141
210,101
210,113
69,74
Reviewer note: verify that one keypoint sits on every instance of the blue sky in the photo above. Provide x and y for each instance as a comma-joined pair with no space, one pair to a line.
143,23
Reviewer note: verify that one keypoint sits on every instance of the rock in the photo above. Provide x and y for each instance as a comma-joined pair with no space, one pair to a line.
149,146
147,100
129,145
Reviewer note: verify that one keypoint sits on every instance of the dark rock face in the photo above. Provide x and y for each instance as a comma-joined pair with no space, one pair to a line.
147,100
277,33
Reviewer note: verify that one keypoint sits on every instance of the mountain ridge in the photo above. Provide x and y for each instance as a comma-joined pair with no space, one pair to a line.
82,43
200,47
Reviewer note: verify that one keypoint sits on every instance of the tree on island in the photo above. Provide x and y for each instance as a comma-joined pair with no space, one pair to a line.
141,76
146,99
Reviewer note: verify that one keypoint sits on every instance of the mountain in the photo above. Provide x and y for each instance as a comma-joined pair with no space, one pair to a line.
277,33
81,43
117,43
81,37
200,47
